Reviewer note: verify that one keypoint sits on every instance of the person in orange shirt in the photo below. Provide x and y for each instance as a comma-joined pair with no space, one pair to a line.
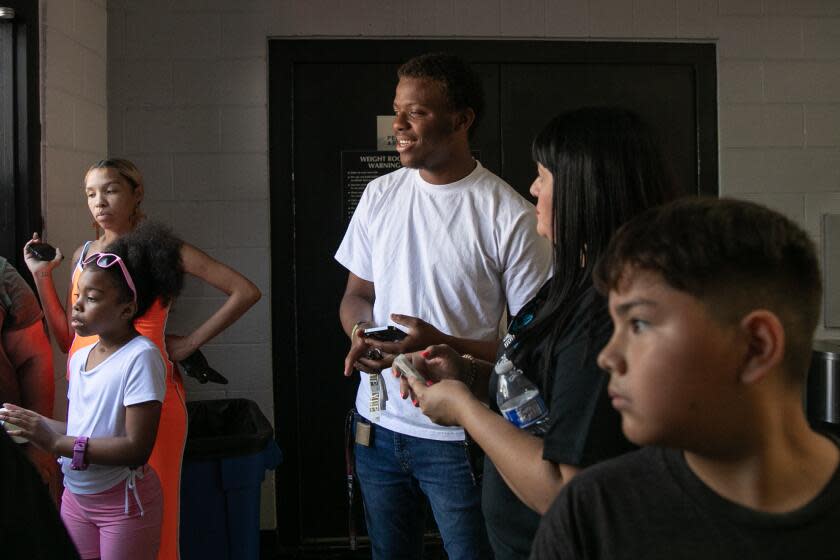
114,190
26,362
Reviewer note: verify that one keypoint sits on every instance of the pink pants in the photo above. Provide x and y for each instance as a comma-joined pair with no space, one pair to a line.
100,527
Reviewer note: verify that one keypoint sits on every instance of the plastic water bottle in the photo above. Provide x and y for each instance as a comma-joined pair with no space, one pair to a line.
519,399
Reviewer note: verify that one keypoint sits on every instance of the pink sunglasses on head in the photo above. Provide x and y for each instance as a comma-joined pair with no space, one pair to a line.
107,260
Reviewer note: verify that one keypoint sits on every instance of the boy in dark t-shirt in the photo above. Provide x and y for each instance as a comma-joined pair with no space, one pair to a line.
714,303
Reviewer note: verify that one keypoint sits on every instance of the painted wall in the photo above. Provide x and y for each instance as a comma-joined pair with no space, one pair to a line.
186,99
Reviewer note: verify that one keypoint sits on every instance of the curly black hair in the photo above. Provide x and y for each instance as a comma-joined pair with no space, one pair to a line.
152,255
461,84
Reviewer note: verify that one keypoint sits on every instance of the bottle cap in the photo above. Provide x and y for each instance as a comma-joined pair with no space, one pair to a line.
503,366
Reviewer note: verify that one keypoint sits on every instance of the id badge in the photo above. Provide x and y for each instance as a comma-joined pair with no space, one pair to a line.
362,433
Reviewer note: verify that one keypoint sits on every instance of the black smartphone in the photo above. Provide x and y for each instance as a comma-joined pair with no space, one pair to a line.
385,334
42,251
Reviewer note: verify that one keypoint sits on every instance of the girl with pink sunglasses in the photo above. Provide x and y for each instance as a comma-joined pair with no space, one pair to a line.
112,504
114,189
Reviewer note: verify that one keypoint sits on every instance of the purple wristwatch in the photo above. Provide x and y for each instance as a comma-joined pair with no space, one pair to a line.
79,447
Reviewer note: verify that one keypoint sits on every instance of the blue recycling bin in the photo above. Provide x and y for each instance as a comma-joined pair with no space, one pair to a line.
229,447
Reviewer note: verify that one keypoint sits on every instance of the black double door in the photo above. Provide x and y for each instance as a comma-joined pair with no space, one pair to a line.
324,97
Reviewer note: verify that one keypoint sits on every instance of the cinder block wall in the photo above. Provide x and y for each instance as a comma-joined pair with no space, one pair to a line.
187,103
186,85
74,127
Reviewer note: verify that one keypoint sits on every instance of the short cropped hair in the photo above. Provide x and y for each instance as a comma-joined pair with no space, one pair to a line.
461,85
732,255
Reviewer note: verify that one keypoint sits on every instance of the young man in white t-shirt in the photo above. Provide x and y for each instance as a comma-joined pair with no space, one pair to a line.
439,247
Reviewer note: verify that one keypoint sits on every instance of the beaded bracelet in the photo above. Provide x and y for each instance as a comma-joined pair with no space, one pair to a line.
470,380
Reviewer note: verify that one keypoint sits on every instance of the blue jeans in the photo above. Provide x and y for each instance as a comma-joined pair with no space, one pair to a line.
394,473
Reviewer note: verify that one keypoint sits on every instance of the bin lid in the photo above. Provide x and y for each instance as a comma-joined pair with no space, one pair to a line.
225,428
830,348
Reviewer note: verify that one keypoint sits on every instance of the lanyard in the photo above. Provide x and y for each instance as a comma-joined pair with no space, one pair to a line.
378,395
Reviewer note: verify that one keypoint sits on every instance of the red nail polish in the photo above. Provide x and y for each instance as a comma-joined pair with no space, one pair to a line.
414,401
425,353
429,383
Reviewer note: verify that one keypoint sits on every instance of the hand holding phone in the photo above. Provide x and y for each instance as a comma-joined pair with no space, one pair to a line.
42,251
405,367
385,334
195,365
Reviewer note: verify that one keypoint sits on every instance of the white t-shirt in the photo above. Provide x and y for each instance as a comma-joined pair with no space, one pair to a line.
97,398
452,255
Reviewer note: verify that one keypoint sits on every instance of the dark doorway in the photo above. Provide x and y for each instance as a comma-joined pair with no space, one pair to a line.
20,128
324,96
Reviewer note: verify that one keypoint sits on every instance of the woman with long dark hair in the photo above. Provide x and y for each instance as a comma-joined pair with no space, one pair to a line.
596,168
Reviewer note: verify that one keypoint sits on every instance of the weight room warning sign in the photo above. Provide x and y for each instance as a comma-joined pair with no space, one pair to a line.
358,168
